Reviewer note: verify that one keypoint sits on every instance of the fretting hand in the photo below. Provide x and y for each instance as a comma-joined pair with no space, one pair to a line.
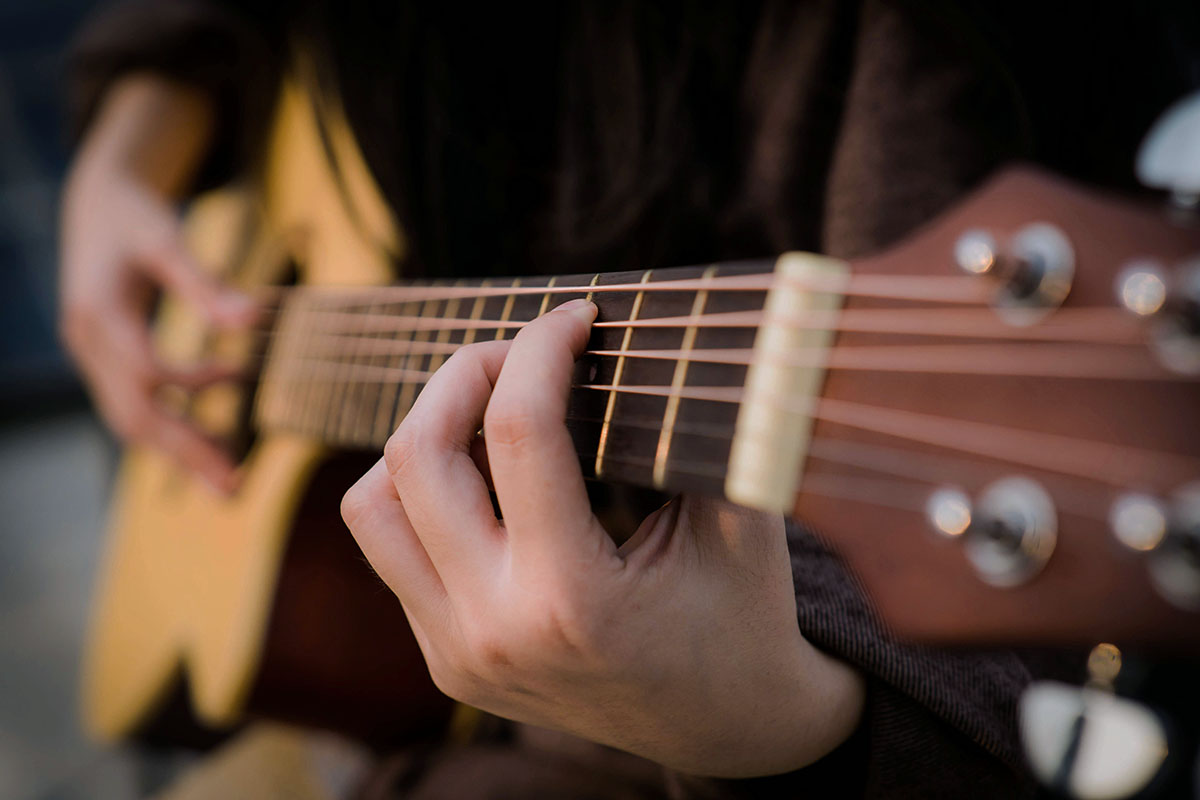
681,645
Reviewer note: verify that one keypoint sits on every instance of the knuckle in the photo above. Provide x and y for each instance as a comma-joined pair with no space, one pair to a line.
452,682
354,505
488,651
510,427
401,450
565,627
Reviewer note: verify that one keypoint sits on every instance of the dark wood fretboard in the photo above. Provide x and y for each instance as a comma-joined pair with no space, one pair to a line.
345,365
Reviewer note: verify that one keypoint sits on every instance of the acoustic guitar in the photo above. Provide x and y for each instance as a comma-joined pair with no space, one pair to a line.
994,423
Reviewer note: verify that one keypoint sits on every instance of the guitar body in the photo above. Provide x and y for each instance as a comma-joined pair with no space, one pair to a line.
261,601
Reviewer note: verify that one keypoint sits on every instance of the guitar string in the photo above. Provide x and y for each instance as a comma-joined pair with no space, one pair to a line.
1089,324
908,495
931,288
737,317
1115,362
1073,494
1106,462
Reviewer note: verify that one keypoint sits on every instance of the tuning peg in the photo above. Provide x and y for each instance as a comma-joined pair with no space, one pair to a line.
1169,157
1087,742
1034,269
1169,534
1008,534
1172,301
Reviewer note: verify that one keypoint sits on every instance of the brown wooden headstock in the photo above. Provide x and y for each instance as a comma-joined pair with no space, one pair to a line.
1077,406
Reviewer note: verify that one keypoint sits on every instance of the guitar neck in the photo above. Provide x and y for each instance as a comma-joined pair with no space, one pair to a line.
664,397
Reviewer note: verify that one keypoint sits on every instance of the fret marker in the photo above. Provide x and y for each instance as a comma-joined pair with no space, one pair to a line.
771,437
616,381
663,452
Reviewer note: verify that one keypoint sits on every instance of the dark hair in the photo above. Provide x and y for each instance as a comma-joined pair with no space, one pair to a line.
594,136
582,136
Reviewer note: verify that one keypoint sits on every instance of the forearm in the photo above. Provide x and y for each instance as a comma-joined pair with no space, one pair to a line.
150,129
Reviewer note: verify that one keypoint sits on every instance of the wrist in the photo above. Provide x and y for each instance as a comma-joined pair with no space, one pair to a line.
148,131
805,709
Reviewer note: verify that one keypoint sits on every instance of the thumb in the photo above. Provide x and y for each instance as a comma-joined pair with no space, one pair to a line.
171,266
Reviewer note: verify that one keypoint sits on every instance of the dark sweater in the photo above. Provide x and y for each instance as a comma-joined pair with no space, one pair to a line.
889,110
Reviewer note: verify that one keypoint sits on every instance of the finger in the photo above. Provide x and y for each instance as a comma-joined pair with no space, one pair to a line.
126,389
377,519
429,458
538,480
196,376
193,450
173,267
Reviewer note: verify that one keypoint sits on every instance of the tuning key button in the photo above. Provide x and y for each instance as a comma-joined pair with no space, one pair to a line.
1089,743
1012,533
1138,521
1169,157
1142,287
976,252
949,512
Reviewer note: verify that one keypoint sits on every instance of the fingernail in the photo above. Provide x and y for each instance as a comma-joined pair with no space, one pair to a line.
581,306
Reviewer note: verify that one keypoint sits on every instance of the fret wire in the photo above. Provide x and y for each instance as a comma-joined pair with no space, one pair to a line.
611,402
319,393
595,280
408,391
546,297
348,389
508,307
663,451
443,337
398,408
385,409
476,313
369,403
271,400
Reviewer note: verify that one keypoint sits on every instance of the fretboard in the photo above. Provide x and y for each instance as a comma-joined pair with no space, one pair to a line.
657,400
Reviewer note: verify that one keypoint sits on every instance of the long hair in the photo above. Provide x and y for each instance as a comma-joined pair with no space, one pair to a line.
556,137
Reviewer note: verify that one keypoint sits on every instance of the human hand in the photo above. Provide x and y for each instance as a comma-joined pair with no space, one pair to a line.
121,244
681,645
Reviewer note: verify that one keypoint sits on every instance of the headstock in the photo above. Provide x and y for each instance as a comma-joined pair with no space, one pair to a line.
1023,465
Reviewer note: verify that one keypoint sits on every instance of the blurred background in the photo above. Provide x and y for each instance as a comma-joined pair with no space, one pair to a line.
55,460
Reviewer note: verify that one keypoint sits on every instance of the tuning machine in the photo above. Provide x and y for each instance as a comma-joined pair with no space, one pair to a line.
1034,269
1172,302
1169,535
1169,157
1088,742
1008,534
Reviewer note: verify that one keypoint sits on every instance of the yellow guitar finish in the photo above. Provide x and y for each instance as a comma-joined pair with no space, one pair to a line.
188,576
